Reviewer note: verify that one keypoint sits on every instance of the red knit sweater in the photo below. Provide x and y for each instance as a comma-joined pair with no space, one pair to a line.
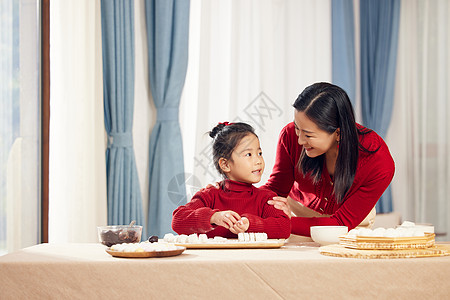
373,174
245,199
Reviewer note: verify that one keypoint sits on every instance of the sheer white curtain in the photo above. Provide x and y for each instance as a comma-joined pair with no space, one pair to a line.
19,125
77,191
419,135
248,61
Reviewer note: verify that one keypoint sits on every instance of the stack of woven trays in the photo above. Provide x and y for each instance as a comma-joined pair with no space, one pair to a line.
384,243
386,247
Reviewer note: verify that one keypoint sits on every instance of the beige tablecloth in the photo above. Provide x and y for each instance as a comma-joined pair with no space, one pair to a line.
296,271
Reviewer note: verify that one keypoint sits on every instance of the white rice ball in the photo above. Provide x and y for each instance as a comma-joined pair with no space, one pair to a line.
379,232
390,232
202,238
408,224
365,232
193,238
182,239
169,237
241,237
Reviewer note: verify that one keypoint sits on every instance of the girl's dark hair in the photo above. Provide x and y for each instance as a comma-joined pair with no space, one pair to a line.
226,136
329,107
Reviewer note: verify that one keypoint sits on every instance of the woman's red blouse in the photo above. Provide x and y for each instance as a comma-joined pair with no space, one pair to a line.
373,175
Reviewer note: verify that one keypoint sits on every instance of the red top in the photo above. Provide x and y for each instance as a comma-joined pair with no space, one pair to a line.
243,198
373,175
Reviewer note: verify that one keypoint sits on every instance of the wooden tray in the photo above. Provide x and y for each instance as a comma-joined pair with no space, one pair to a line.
341,251
149,254
235,244
384,243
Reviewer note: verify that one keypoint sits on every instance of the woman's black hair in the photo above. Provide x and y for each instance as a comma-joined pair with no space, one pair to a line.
329,107
226,136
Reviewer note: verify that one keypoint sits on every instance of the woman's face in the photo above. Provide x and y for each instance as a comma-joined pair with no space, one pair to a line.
314,140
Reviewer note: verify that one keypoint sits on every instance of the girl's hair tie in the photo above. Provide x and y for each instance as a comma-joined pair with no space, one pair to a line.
225,123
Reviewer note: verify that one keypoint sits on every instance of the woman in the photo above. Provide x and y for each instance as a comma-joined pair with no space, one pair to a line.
329,170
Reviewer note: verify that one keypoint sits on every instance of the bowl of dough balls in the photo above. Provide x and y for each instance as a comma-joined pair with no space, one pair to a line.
118,234
327,235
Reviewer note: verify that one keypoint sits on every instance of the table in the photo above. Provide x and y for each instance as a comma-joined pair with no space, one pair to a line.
296,271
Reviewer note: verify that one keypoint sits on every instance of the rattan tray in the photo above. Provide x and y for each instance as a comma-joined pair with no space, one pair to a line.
385,243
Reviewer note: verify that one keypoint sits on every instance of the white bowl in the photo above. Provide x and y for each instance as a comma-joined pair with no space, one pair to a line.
326,235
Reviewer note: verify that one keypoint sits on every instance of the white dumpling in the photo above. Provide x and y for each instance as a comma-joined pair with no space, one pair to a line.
219,239
401,231
241,237
353,232
193,238
264,236
379,232
390,232
365,232
418,233
202,238
182,239
408,224
169,238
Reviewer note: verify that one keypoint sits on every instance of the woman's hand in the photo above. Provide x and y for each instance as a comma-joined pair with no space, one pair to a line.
240,226
209,185
281,203
226,218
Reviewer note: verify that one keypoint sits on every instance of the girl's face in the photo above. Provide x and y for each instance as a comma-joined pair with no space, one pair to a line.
246,163
314,140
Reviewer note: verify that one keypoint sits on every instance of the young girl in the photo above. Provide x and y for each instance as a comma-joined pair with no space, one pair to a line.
237,206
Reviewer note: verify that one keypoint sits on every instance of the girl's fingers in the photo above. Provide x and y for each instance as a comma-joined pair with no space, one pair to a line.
225,224
233,216
230,219
228,223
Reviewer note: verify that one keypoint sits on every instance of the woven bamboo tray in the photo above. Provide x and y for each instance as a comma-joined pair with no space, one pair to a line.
385,243
341,251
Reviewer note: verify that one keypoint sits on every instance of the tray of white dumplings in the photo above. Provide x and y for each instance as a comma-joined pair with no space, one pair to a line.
244,240
406,236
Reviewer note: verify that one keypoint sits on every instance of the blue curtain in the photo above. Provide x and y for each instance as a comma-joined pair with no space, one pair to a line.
124,196
343,47
379,35
167,32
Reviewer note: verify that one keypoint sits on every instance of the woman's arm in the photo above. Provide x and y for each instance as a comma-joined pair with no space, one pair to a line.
360,200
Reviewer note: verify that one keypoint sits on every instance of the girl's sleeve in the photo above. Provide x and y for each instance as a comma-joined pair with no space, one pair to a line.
380,171
283,172
272,221
195,216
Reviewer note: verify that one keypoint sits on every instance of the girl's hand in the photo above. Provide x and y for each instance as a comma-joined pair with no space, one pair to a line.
226,218
281,203
240,226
